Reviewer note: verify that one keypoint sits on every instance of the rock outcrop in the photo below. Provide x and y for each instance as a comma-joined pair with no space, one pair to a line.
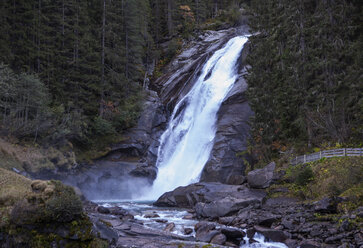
261,178
179,76
212,199
225,163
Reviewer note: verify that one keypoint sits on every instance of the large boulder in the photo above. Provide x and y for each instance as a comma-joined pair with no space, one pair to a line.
205,231
228,205
212,199
327,205
272,234
179,75
261,178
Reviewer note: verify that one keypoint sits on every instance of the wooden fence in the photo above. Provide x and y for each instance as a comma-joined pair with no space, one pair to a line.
327,154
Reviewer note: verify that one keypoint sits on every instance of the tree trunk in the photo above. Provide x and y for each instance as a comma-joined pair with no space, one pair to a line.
103,59
170,19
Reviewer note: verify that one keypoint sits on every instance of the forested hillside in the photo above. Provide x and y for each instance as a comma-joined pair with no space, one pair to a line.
75,69
305,81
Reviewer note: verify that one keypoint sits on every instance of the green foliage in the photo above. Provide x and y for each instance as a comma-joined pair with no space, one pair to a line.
50,201
56,85
32,213
64,205
102,127
23,102
304,81
340,176
336,175
304,176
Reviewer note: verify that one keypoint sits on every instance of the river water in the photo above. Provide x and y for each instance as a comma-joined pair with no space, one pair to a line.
177,216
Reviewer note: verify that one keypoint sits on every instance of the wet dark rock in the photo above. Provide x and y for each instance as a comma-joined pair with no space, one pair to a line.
291,243
219,239
335,238
288,224
359,212
188,217
151,215
327,205
345,226
358,237
316,232
161,220
103,210
230,244
179,76
261,178
309,244
268,220
104,232
272,234
127,217
118,211
169,227
231,137
346,244
212,199
204,226
187,230
226,220
227,205
124,226
251,232
205,231
206,235
232,233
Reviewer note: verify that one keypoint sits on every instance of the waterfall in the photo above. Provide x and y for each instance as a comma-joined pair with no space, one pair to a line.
186,144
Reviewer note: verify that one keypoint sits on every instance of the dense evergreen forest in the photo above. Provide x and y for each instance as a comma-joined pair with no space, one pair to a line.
75,69
305,81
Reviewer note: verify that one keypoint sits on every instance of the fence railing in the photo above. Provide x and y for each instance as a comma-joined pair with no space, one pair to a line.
327,154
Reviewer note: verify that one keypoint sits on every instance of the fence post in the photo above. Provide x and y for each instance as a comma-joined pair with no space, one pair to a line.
304,158
320,154
344,152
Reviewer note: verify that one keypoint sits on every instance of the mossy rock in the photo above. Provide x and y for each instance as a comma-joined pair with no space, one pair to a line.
42,214
49,201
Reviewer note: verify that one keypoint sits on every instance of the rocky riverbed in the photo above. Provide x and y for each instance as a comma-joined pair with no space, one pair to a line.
229,216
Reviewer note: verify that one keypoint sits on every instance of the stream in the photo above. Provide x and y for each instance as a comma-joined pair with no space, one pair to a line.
158,218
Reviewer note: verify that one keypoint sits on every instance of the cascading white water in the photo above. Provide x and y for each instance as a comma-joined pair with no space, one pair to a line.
186,144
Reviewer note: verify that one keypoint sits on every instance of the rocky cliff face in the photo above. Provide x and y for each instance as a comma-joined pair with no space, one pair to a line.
134,159
224,165
180,75
232,129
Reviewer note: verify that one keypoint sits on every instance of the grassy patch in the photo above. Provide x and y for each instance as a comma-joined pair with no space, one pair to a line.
341,176
12,187
33,158
45,207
